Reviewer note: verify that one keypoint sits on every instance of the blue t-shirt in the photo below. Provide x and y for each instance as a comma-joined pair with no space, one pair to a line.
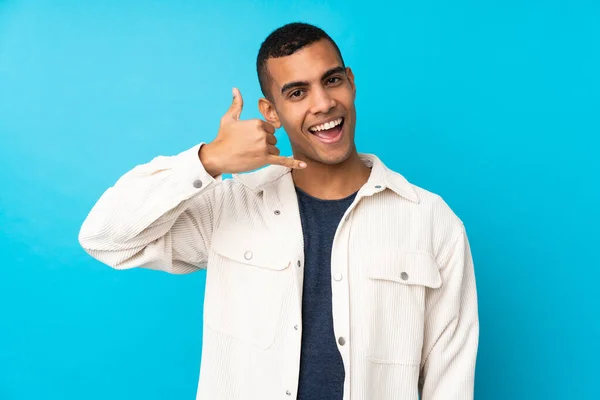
321,368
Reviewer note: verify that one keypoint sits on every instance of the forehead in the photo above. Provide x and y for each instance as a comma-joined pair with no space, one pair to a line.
307,64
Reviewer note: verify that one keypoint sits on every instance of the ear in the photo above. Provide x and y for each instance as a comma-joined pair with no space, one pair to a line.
350,76
267,109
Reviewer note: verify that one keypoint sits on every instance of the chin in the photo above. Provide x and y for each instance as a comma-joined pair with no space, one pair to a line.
335,158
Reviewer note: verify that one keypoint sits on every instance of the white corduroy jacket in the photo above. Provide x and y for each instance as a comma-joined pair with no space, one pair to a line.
404,299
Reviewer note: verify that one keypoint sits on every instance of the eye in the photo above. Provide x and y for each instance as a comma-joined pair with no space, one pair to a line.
296,93
333,80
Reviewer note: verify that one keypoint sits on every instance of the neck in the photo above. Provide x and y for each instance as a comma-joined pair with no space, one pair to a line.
332,182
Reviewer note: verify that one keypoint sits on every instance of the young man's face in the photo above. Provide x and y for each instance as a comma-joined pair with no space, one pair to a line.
311,88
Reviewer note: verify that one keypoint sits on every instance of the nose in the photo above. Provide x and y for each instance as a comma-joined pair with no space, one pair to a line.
322,102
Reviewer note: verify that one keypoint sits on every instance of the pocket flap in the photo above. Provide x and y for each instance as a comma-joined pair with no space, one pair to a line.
254,249
406,267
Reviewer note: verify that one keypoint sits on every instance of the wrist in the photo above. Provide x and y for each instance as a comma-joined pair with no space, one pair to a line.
207,157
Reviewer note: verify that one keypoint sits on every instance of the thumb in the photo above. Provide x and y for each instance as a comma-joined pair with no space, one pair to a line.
236,106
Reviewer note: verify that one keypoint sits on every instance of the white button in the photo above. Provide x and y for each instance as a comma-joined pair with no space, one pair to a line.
248,255
296,327
288,392
197,183
337,276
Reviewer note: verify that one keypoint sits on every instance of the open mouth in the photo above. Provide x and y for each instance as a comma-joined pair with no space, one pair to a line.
329,132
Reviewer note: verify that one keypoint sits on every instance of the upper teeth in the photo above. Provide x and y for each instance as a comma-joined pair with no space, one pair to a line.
326,125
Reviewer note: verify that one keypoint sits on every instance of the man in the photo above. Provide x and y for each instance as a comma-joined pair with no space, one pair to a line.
329,276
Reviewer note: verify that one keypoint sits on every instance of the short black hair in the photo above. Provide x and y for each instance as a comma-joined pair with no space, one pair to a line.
285,41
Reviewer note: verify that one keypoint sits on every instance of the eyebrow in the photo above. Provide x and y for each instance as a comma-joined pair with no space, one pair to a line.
326,75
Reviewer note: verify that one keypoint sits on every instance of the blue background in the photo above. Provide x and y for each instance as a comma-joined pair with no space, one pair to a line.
493,105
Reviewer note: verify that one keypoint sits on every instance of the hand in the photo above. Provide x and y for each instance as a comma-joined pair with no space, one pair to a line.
242,146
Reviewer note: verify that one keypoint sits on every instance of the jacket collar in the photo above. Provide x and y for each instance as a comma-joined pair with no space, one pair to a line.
381,178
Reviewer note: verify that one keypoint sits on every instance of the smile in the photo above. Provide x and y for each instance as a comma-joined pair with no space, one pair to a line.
326,125
328,132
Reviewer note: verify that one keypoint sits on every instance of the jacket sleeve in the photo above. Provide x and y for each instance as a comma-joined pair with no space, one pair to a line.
451,329
159,215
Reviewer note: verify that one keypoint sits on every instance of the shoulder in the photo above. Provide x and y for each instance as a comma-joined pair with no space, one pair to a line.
437,220
438,206
446,225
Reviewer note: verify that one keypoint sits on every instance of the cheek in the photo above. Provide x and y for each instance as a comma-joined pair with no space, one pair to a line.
292,122
346,99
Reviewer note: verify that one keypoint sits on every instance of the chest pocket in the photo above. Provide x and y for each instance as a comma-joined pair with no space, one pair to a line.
246,284
407,268
398,281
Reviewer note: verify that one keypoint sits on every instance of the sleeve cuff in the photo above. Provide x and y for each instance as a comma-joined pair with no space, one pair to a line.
192,172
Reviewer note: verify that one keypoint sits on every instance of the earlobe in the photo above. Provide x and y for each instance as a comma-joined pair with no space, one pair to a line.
267,109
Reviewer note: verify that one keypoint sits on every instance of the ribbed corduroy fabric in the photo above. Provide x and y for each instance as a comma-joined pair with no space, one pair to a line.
404,297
